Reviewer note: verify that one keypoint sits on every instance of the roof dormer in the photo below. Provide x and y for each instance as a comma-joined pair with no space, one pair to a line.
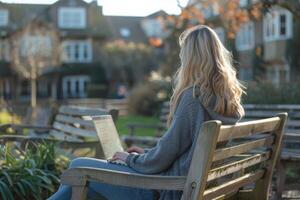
72,17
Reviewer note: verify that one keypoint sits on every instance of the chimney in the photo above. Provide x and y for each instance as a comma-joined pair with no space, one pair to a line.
94,3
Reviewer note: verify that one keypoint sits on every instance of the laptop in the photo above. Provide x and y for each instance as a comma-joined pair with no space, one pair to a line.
108,135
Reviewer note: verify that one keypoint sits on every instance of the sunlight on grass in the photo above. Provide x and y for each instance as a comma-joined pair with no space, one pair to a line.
6,117
123,121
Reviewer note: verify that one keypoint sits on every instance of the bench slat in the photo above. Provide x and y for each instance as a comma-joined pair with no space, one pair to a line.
63,137
272,106
75,131
81,111
74,120
227,152
248,128
233,185
237,165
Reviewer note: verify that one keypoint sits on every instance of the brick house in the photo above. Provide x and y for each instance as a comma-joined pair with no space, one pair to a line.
260,44
82,30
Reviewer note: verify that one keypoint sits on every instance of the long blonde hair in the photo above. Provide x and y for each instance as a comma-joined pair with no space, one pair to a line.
206,63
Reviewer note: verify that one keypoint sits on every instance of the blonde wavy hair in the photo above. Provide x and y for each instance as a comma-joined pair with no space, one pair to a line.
206,63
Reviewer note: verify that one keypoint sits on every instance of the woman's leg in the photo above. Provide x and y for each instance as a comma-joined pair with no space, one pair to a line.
110,192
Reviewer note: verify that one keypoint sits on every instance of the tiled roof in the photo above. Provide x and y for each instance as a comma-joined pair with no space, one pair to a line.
21,14
157,14
130,25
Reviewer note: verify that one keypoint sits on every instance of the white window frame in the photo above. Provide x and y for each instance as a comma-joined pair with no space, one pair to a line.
271,25
245,38
125,32
81,79
71,23
70,57
3,17
221,33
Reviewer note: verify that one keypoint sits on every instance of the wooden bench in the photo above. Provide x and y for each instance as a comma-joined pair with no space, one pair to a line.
243,168
290,153
38,116
159,128
72,128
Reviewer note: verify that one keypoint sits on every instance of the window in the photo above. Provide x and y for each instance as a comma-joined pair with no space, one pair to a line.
278,74
72,18
245,37
77,51
125,32
43,88
243,3
36,45
211,10
75,86
6,89
4,50
278,25
245,74
3,17
221,33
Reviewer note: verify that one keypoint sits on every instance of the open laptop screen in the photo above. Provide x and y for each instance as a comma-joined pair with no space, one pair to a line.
108,135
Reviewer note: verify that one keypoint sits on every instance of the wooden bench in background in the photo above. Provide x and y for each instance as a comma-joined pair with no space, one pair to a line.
241,169
109,104
72,128
159,130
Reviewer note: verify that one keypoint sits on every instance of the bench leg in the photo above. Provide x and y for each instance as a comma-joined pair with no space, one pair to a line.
281,179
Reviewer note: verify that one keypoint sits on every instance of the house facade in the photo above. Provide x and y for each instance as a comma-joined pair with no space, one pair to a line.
261,46
82,30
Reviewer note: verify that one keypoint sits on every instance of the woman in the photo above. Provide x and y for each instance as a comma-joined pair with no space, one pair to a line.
206,88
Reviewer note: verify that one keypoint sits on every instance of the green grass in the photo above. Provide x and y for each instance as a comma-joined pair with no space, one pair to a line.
124,120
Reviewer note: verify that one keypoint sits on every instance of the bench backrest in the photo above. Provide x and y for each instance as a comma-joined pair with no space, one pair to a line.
74,123
256,111
229,158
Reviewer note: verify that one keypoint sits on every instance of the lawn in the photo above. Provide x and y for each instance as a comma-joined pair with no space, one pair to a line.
124,120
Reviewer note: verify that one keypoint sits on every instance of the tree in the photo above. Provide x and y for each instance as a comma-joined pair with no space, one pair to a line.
128,62
230,15
35,48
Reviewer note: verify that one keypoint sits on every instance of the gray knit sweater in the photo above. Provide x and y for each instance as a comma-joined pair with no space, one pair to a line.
173,153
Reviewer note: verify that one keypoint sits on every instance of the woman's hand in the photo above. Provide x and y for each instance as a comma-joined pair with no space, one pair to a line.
120,156
135,149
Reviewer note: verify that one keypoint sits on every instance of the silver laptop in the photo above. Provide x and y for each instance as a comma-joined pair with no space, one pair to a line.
108,135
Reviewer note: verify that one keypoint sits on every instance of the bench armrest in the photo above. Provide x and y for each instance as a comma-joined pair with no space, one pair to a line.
81,175
20,127
22,138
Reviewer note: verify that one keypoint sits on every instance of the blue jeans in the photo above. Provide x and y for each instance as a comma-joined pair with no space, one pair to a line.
103,191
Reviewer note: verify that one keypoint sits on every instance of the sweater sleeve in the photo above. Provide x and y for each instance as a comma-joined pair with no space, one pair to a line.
174,143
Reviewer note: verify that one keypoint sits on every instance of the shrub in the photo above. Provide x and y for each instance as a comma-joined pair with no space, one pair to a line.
267,93
29,174
146,98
